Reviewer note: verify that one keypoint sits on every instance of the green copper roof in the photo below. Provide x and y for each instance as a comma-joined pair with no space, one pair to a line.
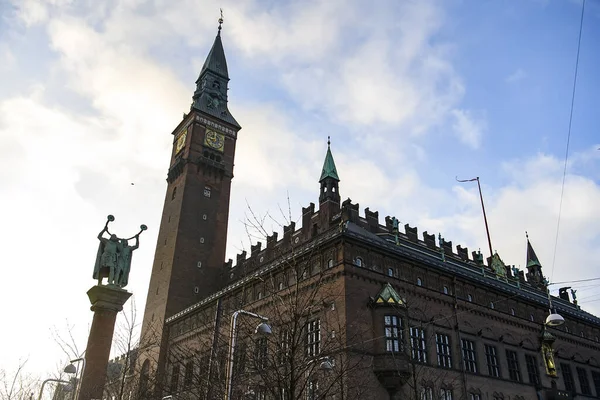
329,170
531,256
388,296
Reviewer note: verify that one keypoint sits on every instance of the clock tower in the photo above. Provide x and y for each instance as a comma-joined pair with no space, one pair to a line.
190,251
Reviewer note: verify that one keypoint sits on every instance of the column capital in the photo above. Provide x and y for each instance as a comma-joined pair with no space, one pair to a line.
107,298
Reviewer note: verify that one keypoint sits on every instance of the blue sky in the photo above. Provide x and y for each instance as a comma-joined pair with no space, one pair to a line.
412,93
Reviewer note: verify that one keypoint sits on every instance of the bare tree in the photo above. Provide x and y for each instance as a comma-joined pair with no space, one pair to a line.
17,384
310,352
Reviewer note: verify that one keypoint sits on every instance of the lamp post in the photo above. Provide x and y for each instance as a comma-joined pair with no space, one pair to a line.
263,329
72,369
50,380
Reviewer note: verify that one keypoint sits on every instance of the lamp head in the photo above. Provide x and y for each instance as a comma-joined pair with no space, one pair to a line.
326,365
70,369
263,329
554,319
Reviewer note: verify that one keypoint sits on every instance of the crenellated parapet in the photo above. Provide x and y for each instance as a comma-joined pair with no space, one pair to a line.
314,223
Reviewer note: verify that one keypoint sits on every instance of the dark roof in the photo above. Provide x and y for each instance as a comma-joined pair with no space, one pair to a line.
215,61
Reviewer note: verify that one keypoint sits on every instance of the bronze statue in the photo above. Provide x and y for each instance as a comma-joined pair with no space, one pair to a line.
113,260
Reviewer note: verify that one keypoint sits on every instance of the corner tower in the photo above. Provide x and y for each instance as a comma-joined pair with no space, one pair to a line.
329,195
190,252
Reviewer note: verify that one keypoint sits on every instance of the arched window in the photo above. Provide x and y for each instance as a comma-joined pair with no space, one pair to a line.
531,317
330,263
419,282
492,305
390,272
446,291
469,298
358,261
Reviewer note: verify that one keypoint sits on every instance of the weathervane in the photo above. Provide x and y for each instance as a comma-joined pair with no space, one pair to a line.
220,19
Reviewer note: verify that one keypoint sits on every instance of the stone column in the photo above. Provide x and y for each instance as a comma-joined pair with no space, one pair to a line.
106,301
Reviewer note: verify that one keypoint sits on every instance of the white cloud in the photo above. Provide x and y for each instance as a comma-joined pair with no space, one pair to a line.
468,128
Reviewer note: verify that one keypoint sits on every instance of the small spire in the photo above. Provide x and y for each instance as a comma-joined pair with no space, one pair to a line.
220,22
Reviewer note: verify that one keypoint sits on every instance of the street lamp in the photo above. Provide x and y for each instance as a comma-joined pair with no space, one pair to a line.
262,329
554,319
72,369
51,380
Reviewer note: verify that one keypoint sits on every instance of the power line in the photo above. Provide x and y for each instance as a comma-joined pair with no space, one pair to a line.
580,280
562,189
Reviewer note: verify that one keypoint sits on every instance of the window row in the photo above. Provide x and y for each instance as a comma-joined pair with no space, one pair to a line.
394,342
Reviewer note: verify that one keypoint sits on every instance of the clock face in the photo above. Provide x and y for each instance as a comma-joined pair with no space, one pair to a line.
180,141
214,140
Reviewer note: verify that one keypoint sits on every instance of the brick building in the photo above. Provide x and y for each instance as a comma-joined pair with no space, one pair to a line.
358,306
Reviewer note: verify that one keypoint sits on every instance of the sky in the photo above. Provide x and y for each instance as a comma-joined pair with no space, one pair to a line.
412,93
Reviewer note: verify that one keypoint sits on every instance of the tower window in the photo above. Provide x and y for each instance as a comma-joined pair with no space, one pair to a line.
196,290
492,305
206,191
390,272
470,298
358,262
333,189
446,291
201,240
330,263
512,312
204,217
199,264
419,282
174,193
531,318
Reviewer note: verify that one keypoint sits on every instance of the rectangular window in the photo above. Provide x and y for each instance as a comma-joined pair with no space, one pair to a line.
174,378
444,355
189,374
469,355
393,333
426,393
284,346
596,379
584,382
312,390
418,344
567,377
313,338
533,371
514,372
491,357
260,355
446,394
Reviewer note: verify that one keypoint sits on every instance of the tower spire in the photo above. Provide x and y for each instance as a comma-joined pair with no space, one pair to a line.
210,95
534,268
329,179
